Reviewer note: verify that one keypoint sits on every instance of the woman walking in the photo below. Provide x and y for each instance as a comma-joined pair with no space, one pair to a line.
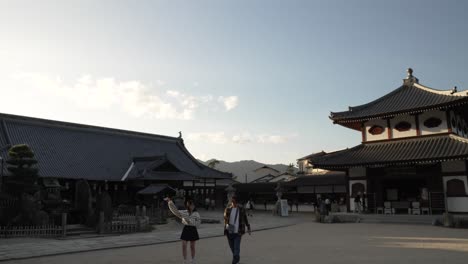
191,220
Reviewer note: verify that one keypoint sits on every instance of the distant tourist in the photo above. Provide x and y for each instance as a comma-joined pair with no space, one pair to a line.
191,220
364,204
235,221
207,203
265,204
213,204
328,204
357,203
249,206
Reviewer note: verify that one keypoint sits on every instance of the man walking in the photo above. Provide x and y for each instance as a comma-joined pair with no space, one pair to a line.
235,221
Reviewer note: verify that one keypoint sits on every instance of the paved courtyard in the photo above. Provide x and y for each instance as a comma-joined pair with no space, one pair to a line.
305,242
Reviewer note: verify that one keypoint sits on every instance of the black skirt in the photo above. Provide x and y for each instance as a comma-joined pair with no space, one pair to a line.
189,233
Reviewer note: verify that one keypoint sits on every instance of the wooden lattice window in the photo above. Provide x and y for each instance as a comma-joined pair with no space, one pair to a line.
432,122
454,122
357,188
403,126
376,130
456,187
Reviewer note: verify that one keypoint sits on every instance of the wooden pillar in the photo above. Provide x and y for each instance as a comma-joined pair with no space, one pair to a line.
418,129
389,129
449,122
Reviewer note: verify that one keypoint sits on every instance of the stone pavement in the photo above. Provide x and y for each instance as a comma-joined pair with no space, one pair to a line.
14,249
307,242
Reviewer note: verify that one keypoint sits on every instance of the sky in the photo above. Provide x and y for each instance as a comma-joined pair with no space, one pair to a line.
242,80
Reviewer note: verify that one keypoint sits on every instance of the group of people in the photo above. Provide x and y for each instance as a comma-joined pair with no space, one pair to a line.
236,224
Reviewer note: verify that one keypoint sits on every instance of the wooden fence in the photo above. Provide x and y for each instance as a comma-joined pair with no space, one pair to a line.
124,223
31,231
7,203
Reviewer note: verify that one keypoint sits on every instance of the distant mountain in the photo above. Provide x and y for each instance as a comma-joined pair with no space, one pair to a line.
245,167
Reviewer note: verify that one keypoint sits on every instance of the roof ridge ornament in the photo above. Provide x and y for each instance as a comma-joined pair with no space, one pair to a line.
410,79
454,90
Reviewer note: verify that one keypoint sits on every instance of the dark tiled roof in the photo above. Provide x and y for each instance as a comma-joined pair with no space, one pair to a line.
155,189
266,167
406,99
329,179
67,150
265,178
321,153
258,187
427,149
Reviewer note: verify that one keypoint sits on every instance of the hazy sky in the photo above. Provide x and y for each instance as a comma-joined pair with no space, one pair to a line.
241,79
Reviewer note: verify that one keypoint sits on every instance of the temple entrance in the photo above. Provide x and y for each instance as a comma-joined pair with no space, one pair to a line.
404,190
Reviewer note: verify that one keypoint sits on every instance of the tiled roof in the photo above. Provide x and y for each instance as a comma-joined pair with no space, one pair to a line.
321,153
427,149
67,150
330,179
406,99
265,178
155,189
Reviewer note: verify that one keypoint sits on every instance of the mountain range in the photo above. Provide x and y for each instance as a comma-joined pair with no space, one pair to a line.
245,167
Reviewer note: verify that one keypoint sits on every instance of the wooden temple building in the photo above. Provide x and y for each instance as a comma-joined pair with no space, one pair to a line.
119,162
414,149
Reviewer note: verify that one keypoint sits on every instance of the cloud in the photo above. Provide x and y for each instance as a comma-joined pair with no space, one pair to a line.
243,138
213,137
132,97
273,139
229,102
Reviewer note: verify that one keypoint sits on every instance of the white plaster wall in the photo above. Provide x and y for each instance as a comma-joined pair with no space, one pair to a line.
456,204
453,166
455,129
351,199
357,172
443,128
302,165
378,122
408,118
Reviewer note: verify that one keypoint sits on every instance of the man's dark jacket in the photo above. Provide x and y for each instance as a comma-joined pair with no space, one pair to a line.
243,221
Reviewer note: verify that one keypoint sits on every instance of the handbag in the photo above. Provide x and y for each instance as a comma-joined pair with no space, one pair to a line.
232,228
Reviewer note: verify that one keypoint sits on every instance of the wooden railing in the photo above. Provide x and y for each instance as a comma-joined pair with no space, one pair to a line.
31,231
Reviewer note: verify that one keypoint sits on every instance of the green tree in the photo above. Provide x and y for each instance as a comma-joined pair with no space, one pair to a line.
212,164
24,177
290,170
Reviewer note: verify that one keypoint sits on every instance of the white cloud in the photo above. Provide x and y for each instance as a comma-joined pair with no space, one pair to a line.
229,102
243,138
133,97
160,83
213,137
272,139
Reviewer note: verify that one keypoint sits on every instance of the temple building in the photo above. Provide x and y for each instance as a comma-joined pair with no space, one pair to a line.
119,162
414,150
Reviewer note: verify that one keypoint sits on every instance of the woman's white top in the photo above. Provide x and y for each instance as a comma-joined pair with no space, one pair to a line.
187,219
